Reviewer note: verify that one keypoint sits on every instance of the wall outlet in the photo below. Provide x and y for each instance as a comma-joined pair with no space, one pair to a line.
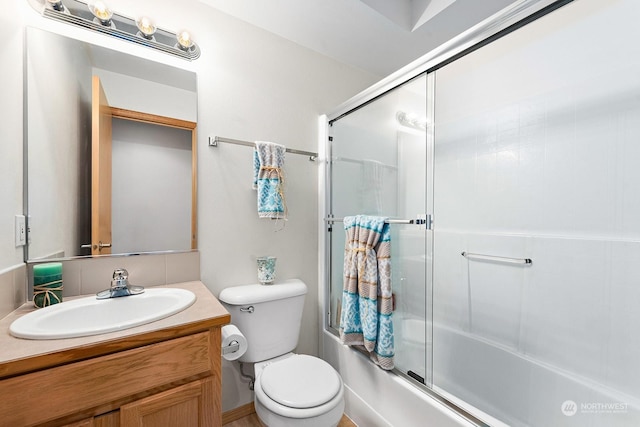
21,231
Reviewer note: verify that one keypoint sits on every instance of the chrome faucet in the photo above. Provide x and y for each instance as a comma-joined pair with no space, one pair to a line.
120,286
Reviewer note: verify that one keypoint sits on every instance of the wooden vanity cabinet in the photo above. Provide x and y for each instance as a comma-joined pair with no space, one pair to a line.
166,382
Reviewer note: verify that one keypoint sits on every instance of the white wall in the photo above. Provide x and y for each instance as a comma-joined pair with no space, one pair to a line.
251,85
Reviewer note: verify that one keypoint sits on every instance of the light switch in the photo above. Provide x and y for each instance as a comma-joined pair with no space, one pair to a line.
21,231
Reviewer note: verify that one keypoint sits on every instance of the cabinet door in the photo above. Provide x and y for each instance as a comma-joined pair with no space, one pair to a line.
190,405
112,419
84,423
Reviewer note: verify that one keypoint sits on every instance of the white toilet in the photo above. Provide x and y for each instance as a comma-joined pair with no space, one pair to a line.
290,389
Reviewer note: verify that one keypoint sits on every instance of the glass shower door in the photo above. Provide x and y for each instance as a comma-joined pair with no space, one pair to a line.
378,157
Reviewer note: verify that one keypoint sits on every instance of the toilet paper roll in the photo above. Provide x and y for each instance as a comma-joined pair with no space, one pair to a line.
231,335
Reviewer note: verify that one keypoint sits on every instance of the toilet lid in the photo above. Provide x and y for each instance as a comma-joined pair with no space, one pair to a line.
300,381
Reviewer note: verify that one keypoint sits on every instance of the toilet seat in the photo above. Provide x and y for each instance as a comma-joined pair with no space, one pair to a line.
312,394
300,382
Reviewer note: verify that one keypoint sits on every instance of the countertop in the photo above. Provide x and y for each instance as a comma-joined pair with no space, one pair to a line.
18,356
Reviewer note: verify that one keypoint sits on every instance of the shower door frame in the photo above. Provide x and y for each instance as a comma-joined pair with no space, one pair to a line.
503,23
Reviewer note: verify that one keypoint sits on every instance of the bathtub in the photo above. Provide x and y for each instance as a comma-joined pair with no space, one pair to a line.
496,385
520,390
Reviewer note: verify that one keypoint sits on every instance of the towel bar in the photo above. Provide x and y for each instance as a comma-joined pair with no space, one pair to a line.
389,221
214,141
469,255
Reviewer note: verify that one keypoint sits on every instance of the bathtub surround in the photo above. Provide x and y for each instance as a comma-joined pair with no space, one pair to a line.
520,161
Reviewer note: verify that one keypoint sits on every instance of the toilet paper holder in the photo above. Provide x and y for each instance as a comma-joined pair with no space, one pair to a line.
233,344
231,348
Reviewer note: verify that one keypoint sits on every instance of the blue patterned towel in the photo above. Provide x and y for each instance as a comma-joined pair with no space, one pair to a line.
268,179
367,307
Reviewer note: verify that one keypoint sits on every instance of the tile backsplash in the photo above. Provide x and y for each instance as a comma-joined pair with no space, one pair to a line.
84,276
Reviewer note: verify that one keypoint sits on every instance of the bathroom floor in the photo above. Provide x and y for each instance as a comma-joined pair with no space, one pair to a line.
253,421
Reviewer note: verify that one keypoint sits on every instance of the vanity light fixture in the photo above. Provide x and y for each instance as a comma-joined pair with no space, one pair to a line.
102,13
96,16
145,27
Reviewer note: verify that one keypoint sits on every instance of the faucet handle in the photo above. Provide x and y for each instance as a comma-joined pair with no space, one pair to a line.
120,279
120,274
120,286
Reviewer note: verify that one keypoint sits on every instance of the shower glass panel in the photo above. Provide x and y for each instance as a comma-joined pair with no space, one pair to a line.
536,156
378,167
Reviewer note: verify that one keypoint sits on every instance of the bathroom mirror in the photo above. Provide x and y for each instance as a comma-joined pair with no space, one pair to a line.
140,184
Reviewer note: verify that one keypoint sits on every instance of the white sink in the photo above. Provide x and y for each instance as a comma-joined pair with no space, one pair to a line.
90,316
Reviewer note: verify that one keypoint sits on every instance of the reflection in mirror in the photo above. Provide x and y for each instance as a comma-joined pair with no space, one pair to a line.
150,176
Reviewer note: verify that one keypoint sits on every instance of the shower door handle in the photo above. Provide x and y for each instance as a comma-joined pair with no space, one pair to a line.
426,220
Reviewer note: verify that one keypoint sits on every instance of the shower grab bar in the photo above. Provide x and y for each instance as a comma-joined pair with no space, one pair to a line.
214,141
481,257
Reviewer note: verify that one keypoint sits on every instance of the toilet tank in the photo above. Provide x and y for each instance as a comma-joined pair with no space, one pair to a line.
269,316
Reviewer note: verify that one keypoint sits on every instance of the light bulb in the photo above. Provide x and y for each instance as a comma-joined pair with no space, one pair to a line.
184,40
101,11
146,27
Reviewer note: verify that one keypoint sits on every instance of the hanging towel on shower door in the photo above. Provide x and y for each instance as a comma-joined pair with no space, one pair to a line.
268,179
366,318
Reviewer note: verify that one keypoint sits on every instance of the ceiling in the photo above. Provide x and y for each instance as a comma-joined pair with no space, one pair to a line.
378,36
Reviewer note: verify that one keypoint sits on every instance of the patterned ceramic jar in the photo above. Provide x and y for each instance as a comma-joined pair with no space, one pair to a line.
266,269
